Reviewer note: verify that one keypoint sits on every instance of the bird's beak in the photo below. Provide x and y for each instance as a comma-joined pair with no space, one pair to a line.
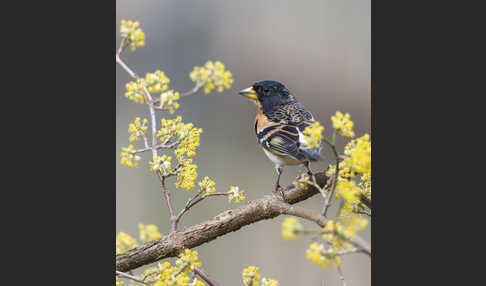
249,92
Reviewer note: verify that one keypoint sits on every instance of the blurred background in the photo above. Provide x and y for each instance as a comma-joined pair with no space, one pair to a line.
319,49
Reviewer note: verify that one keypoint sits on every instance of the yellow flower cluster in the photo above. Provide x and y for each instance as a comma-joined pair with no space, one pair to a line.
313,135
188,261
343,124
118,283
348,190
135,92
250,277
169,129
188,137
167,276
125,242
212,75
154,82
317,253
291,228
168,101
186,174
161,164
148,232
347,228
196,282
269,282
358,155
150,275
206,186
179,275
235,193
129,157
365,185
136,129
131,32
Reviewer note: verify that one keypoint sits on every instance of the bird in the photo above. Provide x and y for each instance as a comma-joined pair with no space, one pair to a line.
279,126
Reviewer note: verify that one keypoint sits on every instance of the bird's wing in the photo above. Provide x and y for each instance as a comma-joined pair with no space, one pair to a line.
283,136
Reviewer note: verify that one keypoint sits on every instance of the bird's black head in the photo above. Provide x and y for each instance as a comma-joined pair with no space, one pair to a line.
269,94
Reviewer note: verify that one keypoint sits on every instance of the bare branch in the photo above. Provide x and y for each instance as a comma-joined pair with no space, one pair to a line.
166,194
193,91
134,278
327,202
204,276
268,207
194,200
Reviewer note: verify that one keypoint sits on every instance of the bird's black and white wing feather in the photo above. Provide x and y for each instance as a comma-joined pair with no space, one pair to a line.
283,134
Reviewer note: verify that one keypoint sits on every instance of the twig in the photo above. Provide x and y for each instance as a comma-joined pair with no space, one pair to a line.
204,276
327,202
193,91
131,277
169,203
151,105
192,201
341,275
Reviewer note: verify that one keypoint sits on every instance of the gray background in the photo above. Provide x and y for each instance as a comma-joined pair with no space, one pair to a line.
319,49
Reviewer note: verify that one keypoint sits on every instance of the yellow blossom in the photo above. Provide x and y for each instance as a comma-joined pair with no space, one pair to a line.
196,282
118,283
186,136
168,101
186,174
313,135
212,75
135,91
291,228
133,35
352,224
207,186
125,242
161,164
148,232
269,282
136,129
250,276
156,81
358,155
349,191
188,260
129,157
150,275
169,128
365,185
316,252
235,193
343,124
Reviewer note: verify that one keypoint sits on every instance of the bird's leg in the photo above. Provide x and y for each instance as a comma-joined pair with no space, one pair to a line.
307,166
309,171
277,185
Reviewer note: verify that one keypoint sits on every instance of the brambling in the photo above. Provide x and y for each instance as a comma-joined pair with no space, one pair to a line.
279,124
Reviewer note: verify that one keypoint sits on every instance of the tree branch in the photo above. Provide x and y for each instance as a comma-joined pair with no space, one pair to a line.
204,276
268,207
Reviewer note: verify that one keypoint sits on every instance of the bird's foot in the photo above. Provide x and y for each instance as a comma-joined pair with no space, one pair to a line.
280,190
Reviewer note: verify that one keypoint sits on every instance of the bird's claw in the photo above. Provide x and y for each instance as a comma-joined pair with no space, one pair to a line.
279,189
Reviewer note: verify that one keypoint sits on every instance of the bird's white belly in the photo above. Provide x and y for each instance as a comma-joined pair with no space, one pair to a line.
280,160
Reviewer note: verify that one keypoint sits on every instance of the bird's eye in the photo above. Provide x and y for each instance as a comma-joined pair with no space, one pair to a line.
266,91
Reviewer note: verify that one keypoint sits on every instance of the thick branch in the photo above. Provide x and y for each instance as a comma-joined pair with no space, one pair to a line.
267,207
